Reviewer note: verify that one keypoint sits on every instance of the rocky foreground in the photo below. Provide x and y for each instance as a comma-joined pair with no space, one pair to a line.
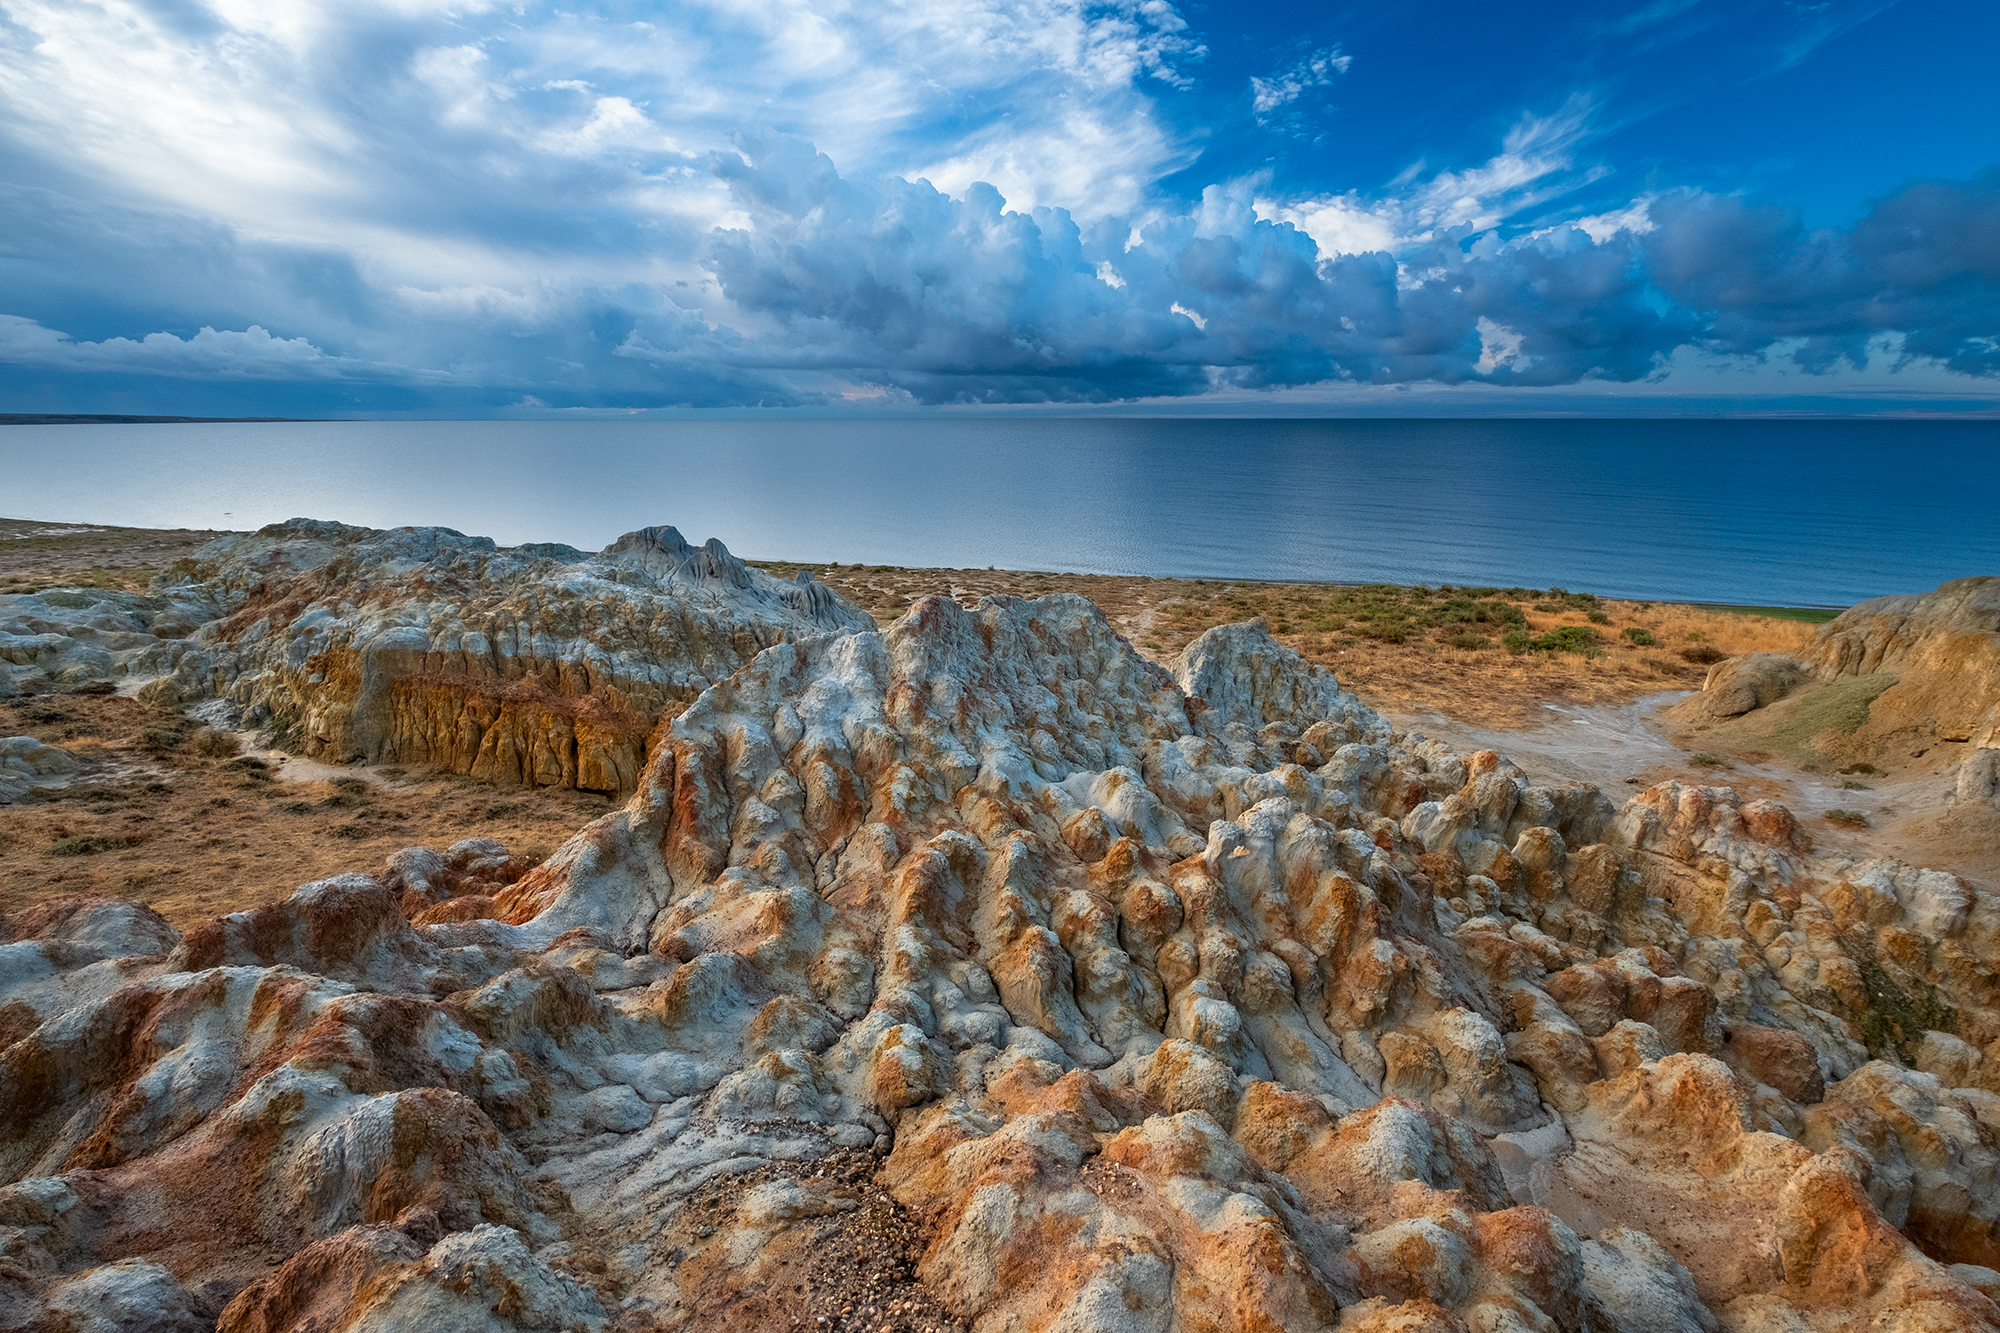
980,974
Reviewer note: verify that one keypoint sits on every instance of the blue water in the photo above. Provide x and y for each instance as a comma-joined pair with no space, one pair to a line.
1771,512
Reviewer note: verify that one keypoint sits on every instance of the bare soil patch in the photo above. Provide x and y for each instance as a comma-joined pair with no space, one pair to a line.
155,819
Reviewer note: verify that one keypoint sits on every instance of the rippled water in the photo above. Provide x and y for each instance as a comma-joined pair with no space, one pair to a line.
1787,512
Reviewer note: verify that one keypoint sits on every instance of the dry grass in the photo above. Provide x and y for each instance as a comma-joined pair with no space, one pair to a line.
197,836
1733,633
1486,687
37,554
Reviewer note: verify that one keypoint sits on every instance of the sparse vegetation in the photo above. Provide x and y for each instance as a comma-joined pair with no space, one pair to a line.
1896,1017
1706,760
1847,818
1567,639
1470,642
88,844
1804,615
1804,729
212,744
1703,654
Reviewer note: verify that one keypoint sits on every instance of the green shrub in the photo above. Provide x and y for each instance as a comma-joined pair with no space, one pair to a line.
1703,654
1567,639
1598,618
1847,818
88,845
1517,641
1470,642
1704,760
1465,611
210,743
1638,638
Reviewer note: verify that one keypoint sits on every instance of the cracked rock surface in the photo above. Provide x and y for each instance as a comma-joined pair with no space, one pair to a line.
977,974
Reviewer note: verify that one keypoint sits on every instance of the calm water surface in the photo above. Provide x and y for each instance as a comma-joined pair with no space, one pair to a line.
1786,512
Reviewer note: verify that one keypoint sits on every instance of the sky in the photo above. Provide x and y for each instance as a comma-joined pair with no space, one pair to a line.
473,209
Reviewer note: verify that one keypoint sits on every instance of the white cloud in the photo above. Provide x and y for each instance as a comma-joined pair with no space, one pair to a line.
1635,218
1339,224
1316,70
387,128
1536,164
252,353
1498,346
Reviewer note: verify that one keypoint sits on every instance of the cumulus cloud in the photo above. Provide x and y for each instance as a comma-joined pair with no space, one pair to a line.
964,300
248,354
798,203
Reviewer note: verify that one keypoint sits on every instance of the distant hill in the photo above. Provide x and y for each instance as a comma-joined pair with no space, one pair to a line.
95,418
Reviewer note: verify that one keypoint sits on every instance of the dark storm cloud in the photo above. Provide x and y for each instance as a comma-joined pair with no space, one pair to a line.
959,299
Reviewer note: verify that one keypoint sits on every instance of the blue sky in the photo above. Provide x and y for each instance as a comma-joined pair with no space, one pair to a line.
311,207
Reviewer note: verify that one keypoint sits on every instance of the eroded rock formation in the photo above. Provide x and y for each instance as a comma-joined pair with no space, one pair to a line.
534,664
1943,647
1933,660
980,974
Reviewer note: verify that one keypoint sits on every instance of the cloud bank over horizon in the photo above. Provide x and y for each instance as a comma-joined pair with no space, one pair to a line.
395,205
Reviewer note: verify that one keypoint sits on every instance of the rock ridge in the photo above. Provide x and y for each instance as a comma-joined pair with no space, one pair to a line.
536,664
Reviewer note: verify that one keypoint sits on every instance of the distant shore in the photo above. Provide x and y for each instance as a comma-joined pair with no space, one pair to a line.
101,419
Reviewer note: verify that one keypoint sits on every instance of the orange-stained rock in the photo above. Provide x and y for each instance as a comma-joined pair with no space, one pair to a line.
978,974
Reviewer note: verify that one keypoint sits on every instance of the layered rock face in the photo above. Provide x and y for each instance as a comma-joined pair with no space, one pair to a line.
1943,647
1935,659
535,664
980,974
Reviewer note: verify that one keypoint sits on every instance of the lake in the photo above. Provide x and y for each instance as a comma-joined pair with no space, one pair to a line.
1804,512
